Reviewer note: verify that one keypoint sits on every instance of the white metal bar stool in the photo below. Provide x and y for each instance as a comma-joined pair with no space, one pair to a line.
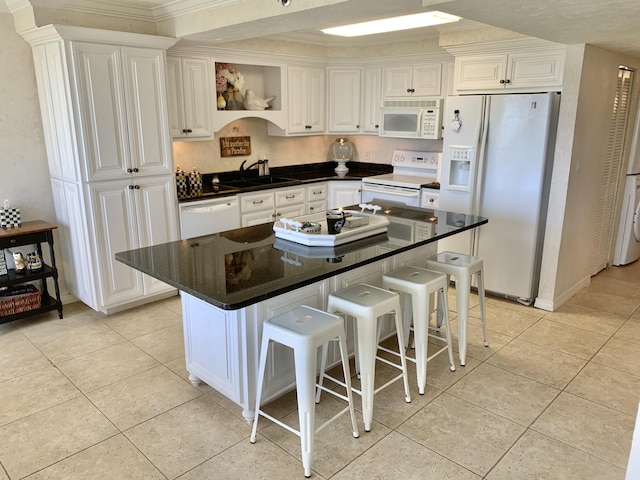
462,267
421,284
304,329
366,304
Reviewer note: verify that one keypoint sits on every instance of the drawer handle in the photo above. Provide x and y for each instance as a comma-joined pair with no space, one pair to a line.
289,197
13,241
258,202
317,193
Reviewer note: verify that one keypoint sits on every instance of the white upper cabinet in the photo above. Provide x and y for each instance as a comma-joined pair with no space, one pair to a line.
354,96
413,80
344,99
518,66
189,95
305,102
118,86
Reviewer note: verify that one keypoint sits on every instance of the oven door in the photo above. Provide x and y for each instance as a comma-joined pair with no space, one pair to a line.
389,193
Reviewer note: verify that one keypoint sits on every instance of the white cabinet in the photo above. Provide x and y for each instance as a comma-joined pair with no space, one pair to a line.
131,215
344,98
316,197
515,69
189,94
371,98
413,80
121,98
305,102
103,103
269,205
344,192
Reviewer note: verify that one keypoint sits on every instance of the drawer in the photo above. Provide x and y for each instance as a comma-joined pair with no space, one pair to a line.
290,196
317,192
27,239
256,201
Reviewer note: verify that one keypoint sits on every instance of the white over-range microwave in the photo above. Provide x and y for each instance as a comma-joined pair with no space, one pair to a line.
411,119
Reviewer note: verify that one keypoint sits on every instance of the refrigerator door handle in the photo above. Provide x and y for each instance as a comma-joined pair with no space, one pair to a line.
478,180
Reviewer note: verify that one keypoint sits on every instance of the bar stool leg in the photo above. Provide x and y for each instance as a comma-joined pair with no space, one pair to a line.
403,358
447,326
367,348
344,355
482,308
463,289
305,362
420,340
261,368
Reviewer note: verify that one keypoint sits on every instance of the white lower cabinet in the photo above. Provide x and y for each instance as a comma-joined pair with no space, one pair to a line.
269,205
130,215
316,197
344,192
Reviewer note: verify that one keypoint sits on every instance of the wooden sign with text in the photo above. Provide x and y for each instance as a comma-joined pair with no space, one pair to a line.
235,146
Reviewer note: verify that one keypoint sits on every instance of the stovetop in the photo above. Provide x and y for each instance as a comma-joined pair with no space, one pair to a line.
411,169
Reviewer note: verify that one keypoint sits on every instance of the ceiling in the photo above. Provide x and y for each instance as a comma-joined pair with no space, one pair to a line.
612,24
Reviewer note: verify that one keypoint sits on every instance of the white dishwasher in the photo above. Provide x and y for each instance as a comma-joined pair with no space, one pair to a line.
205,217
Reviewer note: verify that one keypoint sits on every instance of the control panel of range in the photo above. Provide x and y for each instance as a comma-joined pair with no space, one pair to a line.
413,159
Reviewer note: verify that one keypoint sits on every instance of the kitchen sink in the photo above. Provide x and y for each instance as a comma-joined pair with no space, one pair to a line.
271,180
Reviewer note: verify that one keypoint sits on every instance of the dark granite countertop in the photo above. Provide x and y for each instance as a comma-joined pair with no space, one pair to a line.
297,174
237,268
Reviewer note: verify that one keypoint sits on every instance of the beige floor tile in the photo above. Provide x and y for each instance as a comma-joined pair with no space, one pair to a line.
564,338
178,366
41,326
607,386
164,345
397,457
542,364
335,447
172,303
475,342
621,355
630,272
441,377
536,457
630,331
506,321
465,434
106,366
140,397
262,460
143,320
18,356
606,434
35,391
75,342
114,458
188,435
587,318
504,393
3,475
627,287
51,435
609,300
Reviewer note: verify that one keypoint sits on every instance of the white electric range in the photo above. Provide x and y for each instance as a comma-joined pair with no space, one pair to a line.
414,181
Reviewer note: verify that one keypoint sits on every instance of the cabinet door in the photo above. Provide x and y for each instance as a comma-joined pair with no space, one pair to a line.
298,79
174,100
316,98
101,102
344,100
256,218
397,81
371,98
426,80
196,97
115,231
148,129
156,218
344,193
480,72
526,70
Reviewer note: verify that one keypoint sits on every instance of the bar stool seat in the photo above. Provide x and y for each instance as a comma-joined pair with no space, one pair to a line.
366,304
463,268
421,284
304,329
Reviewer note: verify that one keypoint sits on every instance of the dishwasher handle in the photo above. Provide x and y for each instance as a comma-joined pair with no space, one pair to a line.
206,208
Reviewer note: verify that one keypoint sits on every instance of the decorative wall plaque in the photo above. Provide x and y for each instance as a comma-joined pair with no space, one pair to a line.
235,146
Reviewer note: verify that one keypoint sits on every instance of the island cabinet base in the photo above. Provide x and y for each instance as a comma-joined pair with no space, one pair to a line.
222,346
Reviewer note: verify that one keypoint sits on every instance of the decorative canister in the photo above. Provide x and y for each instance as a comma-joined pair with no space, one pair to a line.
195,183
182,183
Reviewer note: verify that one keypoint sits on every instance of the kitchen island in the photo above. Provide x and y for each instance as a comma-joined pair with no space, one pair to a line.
232,281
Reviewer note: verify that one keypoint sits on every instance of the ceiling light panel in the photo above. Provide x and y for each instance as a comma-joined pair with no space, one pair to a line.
405,22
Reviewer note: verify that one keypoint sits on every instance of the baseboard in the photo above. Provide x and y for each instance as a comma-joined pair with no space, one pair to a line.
552,305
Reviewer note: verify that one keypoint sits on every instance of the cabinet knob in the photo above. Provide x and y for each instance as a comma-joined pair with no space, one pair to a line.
184,130
503,81
189,130
129,170
377,126
137,187
131,187
507,81
136,170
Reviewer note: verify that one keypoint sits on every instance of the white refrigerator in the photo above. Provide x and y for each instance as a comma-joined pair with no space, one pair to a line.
496,163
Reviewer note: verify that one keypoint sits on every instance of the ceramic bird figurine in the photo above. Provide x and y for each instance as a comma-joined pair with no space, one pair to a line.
253,102
221,102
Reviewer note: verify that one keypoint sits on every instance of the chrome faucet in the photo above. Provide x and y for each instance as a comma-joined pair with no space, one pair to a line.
242,169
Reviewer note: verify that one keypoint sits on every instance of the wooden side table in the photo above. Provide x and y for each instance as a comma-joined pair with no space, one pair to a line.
32,233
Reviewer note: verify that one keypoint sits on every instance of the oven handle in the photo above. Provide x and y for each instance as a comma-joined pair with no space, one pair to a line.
403,192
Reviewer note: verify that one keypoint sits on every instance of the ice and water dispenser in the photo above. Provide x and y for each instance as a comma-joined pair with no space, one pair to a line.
461,168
